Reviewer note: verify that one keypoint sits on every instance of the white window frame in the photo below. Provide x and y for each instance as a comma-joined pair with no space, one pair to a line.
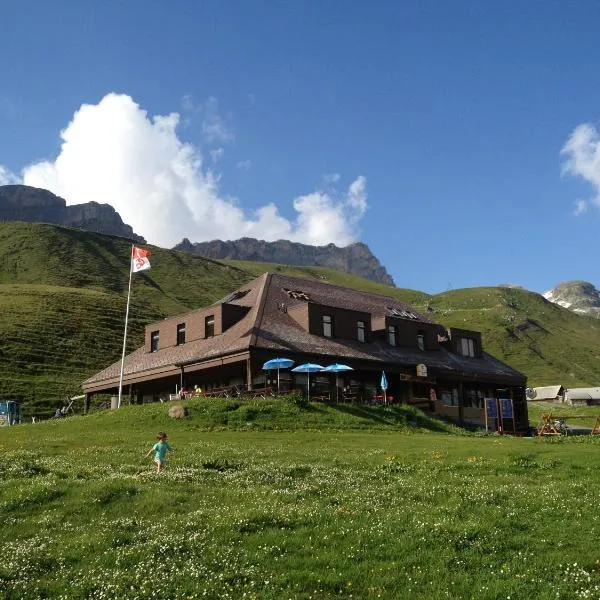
361,329
392,335
327,321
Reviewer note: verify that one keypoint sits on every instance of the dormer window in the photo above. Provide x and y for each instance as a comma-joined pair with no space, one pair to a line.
391,335
154,340
180,334
297,294
421,340
466,347
209,326
403,314
360,331
327,326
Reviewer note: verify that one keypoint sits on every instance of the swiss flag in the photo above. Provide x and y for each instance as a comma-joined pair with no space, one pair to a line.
139,259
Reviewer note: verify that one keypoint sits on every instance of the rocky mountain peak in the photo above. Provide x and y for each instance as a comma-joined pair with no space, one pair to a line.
579,296
26,203
356,258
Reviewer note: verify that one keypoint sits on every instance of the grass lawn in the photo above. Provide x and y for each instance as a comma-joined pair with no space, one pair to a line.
267,500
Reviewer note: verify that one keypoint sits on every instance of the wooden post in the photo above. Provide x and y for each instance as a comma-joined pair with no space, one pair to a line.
461,412
512,406
249,374
86,403
485,403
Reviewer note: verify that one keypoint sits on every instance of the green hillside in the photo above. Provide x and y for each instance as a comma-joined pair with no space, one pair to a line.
63,295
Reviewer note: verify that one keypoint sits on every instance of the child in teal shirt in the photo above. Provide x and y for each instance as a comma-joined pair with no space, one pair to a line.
160,450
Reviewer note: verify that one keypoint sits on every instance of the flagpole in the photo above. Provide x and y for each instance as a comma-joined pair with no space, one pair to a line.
125,332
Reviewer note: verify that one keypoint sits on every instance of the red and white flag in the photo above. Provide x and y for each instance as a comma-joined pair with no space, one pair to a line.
139,259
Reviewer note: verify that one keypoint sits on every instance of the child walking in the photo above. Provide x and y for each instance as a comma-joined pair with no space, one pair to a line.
160,450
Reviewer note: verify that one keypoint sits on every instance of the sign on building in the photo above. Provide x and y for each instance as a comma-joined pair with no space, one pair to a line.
421,370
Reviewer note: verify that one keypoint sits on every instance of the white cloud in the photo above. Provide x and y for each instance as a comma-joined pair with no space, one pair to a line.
217,154
7,177
114,152
582,159
330,178
244,164
581,207
214,126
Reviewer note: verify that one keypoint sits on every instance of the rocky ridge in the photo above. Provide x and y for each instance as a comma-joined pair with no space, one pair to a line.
356,259
35,205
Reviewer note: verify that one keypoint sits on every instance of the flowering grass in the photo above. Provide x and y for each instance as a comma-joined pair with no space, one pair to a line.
351,511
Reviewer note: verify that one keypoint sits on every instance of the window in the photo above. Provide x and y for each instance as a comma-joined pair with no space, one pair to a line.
181,333
327,326
466,347
209,326
391,335
360,331
421,340
154,341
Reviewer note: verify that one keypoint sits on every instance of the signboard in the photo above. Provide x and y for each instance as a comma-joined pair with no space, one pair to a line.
421,370
506,407
432,394
491,408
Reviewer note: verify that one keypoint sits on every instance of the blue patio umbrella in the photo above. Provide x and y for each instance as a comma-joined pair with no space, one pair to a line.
278,363
383,384
337,368
308,368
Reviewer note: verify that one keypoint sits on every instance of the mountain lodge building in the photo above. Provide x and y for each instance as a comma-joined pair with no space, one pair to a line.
444,371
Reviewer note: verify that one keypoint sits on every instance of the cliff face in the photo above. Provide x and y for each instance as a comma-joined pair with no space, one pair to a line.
356,259
25,203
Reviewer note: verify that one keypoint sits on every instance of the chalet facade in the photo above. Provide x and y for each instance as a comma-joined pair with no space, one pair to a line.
223,345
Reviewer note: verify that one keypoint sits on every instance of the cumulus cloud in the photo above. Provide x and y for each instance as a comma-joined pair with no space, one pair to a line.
114,152
582,159
7,177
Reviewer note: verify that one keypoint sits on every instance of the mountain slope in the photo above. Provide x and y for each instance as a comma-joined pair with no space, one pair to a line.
550,344
63,295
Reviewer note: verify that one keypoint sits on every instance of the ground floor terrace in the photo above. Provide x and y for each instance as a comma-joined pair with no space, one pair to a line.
459,397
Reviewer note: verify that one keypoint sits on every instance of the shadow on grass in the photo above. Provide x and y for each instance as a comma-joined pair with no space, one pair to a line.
392,415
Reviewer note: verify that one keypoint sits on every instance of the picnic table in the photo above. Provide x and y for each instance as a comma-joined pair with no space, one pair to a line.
555,424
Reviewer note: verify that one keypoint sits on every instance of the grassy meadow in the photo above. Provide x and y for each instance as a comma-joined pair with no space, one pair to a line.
271,500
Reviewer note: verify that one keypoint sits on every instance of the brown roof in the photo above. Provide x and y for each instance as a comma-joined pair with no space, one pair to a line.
278,331
267,327
235,339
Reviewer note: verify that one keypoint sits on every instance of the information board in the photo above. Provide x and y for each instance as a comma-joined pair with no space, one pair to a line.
506,407
491,408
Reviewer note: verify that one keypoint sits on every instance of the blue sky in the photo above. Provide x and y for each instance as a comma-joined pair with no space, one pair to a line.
431,131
